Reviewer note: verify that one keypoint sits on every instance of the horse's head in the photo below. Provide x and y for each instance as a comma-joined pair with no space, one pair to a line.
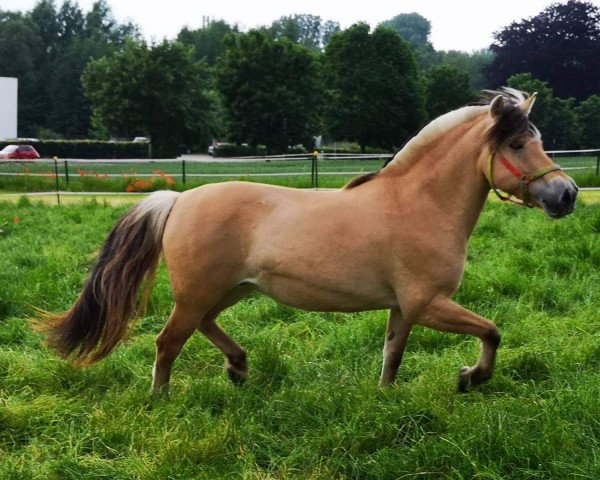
517,163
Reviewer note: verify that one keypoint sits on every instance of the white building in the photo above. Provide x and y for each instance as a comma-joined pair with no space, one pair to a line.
8,107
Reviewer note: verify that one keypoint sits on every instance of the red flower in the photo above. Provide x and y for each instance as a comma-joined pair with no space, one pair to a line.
16,219
129,188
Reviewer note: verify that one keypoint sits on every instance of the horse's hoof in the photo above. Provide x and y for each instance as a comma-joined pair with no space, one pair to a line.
236,378
464,379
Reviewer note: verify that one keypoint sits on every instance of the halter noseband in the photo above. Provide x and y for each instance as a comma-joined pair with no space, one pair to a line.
524,178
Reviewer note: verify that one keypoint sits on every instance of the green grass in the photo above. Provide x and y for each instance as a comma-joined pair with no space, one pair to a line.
312,408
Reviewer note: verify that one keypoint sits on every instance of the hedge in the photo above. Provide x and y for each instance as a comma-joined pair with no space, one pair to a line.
233,150
85,148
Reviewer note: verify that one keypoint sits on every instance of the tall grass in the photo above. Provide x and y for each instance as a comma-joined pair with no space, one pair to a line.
311,408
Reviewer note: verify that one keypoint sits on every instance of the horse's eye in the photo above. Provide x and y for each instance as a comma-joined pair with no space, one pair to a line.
517,145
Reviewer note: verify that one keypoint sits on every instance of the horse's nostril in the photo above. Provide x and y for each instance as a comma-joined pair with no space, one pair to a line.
566,197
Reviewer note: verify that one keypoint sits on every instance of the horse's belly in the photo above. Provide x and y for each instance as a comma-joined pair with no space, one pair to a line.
312,294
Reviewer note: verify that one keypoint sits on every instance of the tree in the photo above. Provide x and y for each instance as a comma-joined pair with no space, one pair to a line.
21,50
208,42
306,30
71,22
559,46
51,94
270,89
447,89
588,114
415,29
555,117
473,64
160,92
101,25
375,96
44,15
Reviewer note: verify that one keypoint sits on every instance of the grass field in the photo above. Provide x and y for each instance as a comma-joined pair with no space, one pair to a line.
311,408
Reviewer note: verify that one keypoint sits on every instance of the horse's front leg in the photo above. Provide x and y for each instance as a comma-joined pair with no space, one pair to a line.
396,335
445,315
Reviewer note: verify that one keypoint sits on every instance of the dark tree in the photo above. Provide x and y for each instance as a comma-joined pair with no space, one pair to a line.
375,96
208,42
271,91
53,45
21,51
561,46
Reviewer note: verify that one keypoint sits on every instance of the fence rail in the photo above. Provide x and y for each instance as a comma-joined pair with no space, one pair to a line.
321,164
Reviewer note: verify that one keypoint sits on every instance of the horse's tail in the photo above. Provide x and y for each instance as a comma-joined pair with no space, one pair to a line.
98,320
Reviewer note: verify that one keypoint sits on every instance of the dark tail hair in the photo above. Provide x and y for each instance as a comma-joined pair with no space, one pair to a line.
98,321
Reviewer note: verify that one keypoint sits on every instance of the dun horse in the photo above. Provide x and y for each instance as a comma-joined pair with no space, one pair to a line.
392,240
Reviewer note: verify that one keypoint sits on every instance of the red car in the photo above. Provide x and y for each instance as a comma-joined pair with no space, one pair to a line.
19,152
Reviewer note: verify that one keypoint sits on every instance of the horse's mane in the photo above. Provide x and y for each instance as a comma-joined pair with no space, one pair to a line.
511,126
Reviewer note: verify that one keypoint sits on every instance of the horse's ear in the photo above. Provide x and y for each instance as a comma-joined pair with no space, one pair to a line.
526,105
496,106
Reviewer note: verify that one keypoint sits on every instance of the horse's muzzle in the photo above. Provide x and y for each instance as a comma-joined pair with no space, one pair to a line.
557,197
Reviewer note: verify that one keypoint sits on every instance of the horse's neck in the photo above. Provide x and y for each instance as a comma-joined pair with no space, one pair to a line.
446,171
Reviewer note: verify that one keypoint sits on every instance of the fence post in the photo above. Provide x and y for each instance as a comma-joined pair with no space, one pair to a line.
183,171
315,170
56,179
67,171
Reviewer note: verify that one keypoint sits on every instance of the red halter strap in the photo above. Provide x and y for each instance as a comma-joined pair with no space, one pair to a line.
511,168
524,178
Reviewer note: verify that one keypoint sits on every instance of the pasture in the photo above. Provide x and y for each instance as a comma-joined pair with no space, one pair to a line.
312,408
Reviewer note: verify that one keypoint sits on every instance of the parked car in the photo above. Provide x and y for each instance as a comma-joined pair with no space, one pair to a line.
19,152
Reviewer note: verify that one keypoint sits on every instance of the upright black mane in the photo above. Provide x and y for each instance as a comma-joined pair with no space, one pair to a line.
511,126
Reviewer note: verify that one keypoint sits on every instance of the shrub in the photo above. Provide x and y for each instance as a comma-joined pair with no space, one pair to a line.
86,148
232,150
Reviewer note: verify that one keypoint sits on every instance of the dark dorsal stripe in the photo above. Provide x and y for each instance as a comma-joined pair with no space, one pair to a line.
355,182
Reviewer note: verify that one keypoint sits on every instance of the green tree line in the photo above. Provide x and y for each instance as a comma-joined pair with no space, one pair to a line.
85,75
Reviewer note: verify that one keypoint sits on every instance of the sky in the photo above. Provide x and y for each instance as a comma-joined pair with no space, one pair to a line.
456,24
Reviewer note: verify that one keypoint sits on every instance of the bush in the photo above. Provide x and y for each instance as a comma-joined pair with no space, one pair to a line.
233,150
86,148
227,150
351,148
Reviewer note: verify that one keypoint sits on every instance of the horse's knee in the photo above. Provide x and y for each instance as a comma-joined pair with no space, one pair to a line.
492,337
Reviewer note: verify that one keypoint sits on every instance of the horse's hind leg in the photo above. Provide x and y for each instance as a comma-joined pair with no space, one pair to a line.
447,316
236,364
396,335
179,328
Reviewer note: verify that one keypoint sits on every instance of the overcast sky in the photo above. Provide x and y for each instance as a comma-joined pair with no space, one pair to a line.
456,24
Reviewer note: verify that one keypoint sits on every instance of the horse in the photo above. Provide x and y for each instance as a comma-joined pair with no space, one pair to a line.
395,239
